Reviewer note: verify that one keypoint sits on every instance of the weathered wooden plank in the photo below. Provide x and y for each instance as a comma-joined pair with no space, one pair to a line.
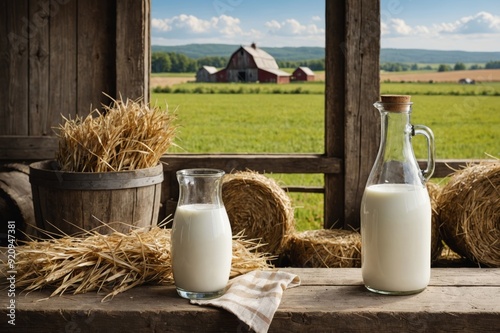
362,124
446,167
4,66
14,87
63,63
132,49
26,148
96,54
334,110
439,276
270,163
344,305
38,101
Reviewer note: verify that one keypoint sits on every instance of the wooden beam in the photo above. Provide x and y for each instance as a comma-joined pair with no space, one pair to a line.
269,163
27,148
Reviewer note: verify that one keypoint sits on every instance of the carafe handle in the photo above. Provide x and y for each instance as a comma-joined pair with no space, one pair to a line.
427,132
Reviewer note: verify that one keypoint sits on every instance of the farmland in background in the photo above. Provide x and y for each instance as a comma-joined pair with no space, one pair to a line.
268,118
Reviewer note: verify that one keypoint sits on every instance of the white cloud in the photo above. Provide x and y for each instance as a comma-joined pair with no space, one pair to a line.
184,29
292,27
479,32
228,26
189,25
400,27
480,23
316,18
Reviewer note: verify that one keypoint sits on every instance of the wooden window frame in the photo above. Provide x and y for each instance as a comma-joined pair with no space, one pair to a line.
351,126
352,48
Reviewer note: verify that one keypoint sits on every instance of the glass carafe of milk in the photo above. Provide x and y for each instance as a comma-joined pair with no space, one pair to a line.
396,209
201,239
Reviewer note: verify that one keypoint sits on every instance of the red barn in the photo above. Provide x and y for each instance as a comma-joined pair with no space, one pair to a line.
251,64
303,74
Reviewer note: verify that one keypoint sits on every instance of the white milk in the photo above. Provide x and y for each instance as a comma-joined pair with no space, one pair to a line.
396,237
201,248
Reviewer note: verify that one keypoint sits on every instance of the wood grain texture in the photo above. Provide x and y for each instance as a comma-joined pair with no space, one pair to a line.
132,49
71,202
39,69
27,148
335,74
362,122
14,85
96,54
329,299
275,163
63,64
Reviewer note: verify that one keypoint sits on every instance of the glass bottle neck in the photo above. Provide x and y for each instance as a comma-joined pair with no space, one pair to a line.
395,162
396,132
200,186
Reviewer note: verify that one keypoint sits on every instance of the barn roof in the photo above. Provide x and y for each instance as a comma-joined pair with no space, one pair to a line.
306,70
210,69
278,72
263,60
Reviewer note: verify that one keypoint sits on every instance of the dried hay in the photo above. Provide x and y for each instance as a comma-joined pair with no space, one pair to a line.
111,263
128,135
325,248
436,239
259,207
469,211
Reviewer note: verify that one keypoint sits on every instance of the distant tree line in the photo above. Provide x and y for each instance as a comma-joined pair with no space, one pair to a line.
492,65
162,62
459,66
315,65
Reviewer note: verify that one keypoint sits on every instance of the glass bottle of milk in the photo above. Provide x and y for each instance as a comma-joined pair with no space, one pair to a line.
201,239
396,209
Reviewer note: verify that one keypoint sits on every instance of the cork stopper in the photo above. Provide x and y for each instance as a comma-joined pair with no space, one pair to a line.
396,103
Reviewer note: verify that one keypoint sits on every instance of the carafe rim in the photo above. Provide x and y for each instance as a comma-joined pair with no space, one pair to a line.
201,172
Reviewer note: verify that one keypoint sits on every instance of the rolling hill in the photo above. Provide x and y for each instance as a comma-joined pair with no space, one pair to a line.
196,51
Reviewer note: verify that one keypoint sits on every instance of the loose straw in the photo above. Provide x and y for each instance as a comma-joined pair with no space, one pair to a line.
111,263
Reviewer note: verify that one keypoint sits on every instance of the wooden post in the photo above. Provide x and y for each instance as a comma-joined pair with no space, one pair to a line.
352,86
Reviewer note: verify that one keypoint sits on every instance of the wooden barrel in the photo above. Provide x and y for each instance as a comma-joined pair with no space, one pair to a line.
67,203
16,204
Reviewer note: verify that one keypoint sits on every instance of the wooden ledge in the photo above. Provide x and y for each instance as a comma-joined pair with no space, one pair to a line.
457,299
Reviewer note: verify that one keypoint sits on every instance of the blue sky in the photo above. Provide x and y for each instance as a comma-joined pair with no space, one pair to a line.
469,25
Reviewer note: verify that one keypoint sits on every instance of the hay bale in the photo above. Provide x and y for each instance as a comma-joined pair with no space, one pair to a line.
436,239
258,207
325,248
469,211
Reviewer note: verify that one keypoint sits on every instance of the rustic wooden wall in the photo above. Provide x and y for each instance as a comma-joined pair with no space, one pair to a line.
58,57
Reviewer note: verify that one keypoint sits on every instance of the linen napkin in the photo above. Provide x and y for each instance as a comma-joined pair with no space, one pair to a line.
254,297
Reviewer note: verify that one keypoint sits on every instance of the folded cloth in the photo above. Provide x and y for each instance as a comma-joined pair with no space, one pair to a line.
254,297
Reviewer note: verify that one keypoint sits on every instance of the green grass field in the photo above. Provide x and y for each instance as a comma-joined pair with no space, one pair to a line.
465,121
